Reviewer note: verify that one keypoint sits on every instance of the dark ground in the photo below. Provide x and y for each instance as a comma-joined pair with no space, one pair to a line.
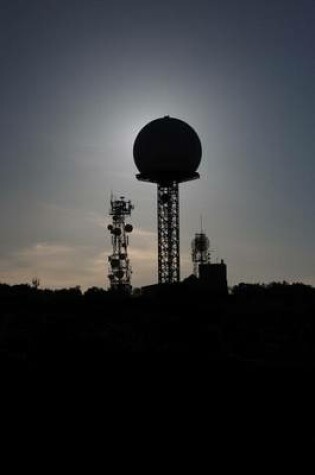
236,364
254,327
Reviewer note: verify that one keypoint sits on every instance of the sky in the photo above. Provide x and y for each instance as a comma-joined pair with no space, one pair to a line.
80,78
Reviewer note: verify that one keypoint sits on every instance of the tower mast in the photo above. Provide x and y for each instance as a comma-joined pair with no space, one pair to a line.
119,264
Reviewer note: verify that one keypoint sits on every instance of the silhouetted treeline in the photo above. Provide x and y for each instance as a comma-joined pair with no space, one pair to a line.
254,326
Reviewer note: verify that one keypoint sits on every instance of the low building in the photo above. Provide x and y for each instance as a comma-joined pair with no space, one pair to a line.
214,277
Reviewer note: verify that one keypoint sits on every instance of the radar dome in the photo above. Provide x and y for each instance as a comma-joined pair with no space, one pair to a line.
167,147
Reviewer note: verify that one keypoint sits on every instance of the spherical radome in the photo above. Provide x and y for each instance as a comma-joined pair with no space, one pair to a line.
167,146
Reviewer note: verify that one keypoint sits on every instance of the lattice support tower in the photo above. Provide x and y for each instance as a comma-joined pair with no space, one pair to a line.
168,233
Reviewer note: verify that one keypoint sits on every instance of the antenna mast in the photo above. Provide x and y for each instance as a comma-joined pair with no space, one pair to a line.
119,264
200,250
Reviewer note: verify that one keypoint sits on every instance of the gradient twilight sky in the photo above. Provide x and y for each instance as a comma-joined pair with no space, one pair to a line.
80,78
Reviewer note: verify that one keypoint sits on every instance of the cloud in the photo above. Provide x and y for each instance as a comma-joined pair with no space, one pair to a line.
60,265
56,265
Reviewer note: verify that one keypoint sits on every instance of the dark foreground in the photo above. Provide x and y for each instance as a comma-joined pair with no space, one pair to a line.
239,365
254,327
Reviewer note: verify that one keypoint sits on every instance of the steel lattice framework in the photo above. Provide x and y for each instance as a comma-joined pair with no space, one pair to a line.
119,264
168,233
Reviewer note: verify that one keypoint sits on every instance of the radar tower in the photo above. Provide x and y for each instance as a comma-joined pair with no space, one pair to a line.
167,151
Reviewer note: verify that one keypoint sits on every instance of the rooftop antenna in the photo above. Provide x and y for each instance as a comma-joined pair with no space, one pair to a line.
200,250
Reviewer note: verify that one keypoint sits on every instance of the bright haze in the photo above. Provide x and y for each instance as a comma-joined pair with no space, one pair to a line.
79,79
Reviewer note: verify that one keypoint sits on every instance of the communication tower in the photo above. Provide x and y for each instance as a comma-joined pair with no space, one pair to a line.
119,265
200,252
167,151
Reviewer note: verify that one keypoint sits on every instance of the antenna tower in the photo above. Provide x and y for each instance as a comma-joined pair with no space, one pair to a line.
200,250
119,264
